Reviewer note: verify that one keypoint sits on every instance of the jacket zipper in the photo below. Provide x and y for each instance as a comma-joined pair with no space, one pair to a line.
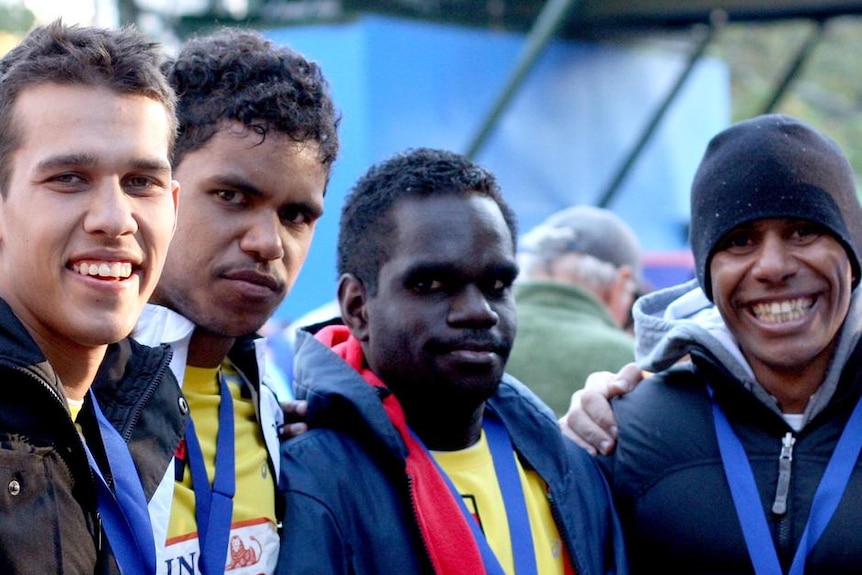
563,532
53,393
98,531
782,490
145,397
779,506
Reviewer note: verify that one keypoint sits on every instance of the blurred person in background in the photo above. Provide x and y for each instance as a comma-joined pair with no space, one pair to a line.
580,271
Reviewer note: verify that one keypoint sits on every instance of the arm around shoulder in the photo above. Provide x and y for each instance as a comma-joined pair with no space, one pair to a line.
590,421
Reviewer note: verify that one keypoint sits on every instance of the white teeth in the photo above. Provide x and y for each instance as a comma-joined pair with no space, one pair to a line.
779,312
104,269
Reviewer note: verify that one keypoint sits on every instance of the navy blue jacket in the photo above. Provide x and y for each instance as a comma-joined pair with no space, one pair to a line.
348,508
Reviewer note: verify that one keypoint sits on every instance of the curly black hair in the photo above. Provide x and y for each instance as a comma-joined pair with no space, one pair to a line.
366,229
238,75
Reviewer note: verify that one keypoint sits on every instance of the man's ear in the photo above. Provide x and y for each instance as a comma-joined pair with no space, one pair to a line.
2,220
175,194
353,299
621,295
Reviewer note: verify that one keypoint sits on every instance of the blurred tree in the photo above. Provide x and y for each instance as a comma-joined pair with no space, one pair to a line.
15,18
827,91
128,11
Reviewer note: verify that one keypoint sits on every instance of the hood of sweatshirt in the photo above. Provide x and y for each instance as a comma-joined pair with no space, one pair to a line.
671,322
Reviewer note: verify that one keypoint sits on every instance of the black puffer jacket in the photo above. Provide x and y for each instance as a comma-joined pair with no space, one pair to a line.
670,487
667,476
47,490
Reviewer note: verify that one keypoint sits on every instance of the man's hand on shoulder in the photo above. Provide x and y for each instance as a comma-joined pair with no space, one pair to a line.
590,421
294,419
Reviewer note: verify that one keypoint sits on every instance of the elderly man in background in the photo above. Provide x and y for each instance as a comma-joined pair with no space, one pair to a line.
581,269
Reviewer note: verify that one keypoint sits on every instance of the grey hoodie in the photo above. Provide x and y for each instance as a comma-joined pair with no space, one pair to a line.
670,322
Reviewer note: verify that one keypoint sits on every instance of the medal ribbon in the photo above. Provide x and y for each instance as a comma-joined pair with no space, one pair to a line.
214,503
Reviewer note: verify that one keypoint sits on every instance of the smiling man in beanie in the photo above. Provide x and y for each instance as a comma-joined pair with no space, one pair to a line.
745,460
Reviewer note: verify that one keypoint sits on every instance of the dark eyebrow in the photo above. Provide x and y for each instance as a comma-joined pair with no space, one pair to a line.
153,165
89,160
235,183
505,269
66,160
426,268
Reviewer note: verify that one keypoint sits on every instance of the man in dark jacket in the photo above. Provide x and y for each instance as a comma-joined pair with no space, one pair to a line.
423,457
745,460
87,210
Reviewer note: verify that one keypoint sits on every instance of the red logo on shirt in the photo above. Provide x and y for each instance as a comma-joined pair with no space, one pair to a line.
242,555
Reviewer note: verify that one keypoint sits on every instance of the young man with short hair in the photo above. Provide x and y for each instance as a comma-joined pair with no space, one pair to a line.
423,457
87,210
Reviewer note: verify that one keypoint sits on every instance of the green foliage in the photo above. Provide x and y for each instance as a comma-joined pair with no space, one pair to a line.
827,91
15,18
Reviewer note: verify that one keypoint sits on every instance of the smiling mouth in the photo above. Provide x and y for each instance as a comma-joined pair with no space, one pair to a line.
782,311
113,270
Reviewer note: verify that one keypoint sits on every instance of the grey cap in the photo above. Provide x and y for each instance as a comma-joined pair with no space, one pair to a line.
589,230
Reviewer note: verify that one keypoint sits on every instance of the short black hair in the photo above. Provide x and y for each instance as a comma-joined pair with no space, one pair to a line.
366,229
237,75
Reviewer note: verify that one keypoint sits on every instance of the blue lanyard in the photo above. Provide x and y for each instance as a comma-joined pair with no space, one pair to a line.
505,466
123,510
214,505
743,488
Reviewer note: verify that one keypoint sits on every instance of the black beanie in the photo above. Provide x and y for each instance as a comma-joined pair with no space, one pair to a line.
772,166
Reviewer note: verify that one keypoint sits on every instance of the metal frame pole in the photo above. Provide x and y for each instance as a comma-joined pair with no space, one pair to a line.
548,23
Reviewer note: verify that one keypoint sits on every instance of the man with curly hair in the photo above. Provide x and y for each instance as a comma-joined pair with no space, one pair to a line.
257,139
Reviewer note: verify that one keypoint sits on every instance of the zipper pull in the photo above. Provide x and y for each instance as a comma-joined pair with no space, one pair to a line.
779,506
98,532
